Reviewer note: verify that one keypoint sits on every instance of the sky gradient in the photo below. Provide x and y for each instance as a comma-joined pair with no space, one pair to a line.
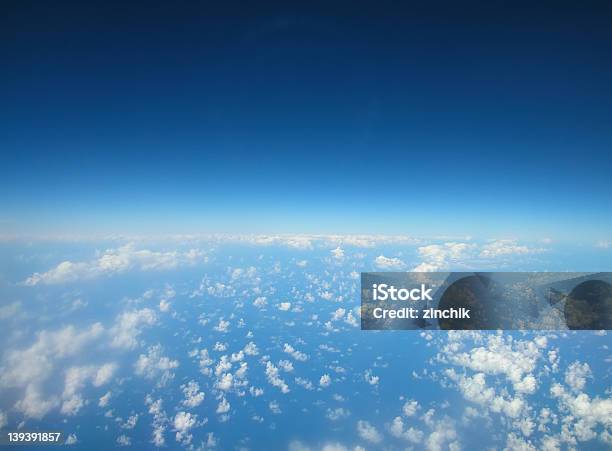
465,119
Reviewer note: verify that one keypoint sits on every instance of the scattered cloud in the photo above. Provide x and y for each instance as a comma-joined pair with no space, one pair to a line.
389,263
368,432
499,248
183,423
325,381
116,261
129,325
154,365
193,397
297,355
274,379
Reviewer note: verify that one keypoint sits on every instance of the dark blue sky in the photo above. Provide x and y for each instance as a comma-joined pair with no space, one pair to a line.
474,118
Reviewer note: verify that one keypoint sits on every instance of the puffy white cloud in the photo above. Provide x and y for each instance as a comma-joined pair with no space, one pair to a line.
368,432
71,406
105,399
410,408
541,341
220,347
217,289
325,381
351,320
284,306
129,325
503,358
300,242
511,407
444,433
225,382
302,382
75,379
242,371
338,253
550,443
274,379
438,257
527,385
585,414
426,267
164,305
255,392
211,441
130,423
23,366
237,356
297,355
33,404
500,358
368,241
514,359
327,295
553,359
251,349
474,388
223,366
223,326
516,443
223,407
183,423
526,425
389,263
337,413
370,378
274,407
506,247
160,420
104,374
192,393
338,314
397,427
285,365
29,368
307,241
441,256
116,261
576,375
260,302
411,434
204,360
155,365
124,440
64,272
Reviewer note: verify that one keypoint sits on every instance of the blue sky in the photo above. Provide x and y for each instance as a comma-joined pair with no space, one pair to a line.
321,142
421,120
